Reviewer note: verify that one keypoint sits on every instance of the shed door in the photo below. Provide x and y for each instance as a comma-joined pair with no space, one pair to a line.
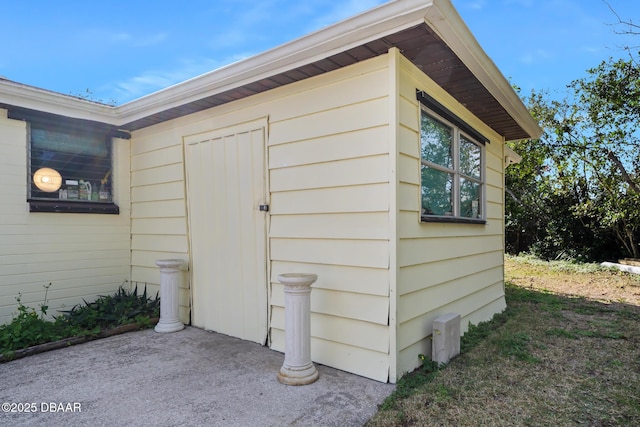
225,172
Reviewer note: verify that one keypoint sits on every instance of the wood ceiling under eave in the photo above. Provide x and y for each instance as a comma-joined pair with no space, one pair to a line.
418,44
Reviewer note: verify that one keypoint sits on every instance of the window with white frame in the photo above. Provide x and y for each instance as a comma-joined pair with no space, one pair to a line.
452,166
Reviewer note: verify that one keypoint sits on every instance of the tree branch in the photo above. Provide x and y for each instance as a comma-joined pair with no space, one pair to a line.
513,196
620,21
625,175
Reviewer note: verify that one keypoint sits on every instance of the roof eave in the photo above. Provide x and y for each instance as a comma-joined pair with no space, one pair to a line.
447,23
33,98
375,24
386,19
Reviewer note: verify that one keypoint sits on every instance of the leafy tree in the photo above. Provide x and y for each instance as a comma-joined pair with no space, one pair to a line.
601,135
577,192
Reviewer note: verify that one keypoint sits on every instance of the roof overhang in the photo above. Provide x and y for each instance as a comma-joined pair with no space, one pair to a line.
429,33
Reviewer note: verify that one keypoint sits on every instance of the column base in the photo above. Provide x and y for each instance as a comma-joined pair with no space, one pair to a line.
164,327
302,376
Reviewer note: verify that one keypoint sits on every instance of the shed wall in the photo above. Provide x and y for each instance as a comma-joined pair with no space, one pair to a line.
81,255
328,172
443,267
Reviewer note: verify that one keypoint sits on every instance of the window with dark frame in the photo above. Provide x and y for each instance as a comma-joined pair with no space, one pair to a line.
452,166
70,167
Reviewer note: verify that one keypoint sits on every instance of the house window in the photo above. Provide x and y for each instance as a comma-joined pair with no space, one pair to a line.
70,169
452,167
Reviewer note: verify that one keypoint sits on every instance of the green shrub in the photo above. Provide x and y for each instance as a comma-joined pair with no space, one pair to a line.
29,327
114,310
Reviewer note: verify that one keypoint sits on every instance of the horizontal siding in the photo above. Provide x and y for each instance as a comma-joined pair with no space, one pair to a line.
159,209
363,362
421,301
361,198
149,226
408,197
87,262
81,255
352,145
408,169
329,182
409,226
157,192
495,212
88,289
369,114
365,335
148,258
159,156
374,225
426,275
329,177
67,281
328,172
368,308
165,243
161,174
343,173
158,212
409,357
355,253
371,281
474,308
442,267
426,250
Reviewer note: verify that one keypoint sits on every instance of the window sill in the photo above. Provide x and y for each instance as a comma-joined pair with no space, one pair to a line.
455,220
65,206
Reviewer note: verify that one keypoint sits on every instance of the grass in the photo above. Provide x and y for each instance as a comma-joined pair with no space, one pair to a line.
566,352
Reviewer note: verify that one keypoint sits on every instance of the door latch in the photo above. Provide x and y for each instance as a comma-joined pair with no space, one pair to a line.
264,208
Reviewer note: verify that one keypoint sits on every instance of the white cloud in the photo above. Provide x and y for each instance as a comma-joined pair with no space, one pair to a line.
123,37
230,39
343,10
154,80
472,4
527,58
112,37
535,56
244,25
150,40
591,49
523,3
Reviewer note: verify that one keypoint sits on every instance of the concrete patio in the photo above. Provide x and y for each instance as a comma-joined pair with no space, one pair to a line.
191,377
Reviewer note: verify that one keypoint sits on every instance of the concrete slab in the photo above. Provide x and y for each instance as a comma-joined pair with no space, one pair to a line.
186,378
622,267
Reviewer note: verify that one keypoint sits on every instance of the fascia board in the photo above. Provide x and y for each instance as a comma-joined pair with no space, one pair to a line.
384,20
447,23
510,156
25,96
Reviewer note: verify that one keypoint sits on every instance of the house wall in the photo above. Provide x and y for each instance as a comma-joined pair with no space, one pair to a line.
442,267
81,255
158,210
328,172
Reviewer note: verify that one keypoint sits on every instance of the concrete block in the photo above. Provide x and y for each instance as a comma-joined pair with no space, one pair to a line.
446,338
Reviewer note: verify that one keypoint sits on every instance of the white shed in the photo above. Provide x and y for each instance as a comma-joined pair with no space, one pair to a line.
370,152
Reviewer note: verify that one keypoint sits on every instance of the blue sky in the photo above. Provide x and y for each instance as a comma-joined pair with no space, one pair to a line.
123,49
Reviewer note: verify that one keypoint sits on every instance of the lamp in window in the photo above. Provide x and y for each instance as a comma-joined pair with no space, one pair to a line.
47,180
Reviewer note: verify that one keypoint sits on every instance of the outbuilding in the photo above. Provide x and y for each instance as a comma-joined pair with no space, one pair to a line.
371,153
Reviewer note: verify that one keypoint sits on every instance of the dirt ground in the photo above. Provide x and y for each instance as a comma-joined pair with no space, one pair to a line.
564,353
610,286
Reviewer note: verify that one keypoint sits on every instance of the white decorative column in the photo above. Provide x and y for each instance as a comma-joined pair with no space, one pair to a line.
297,368
169,275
